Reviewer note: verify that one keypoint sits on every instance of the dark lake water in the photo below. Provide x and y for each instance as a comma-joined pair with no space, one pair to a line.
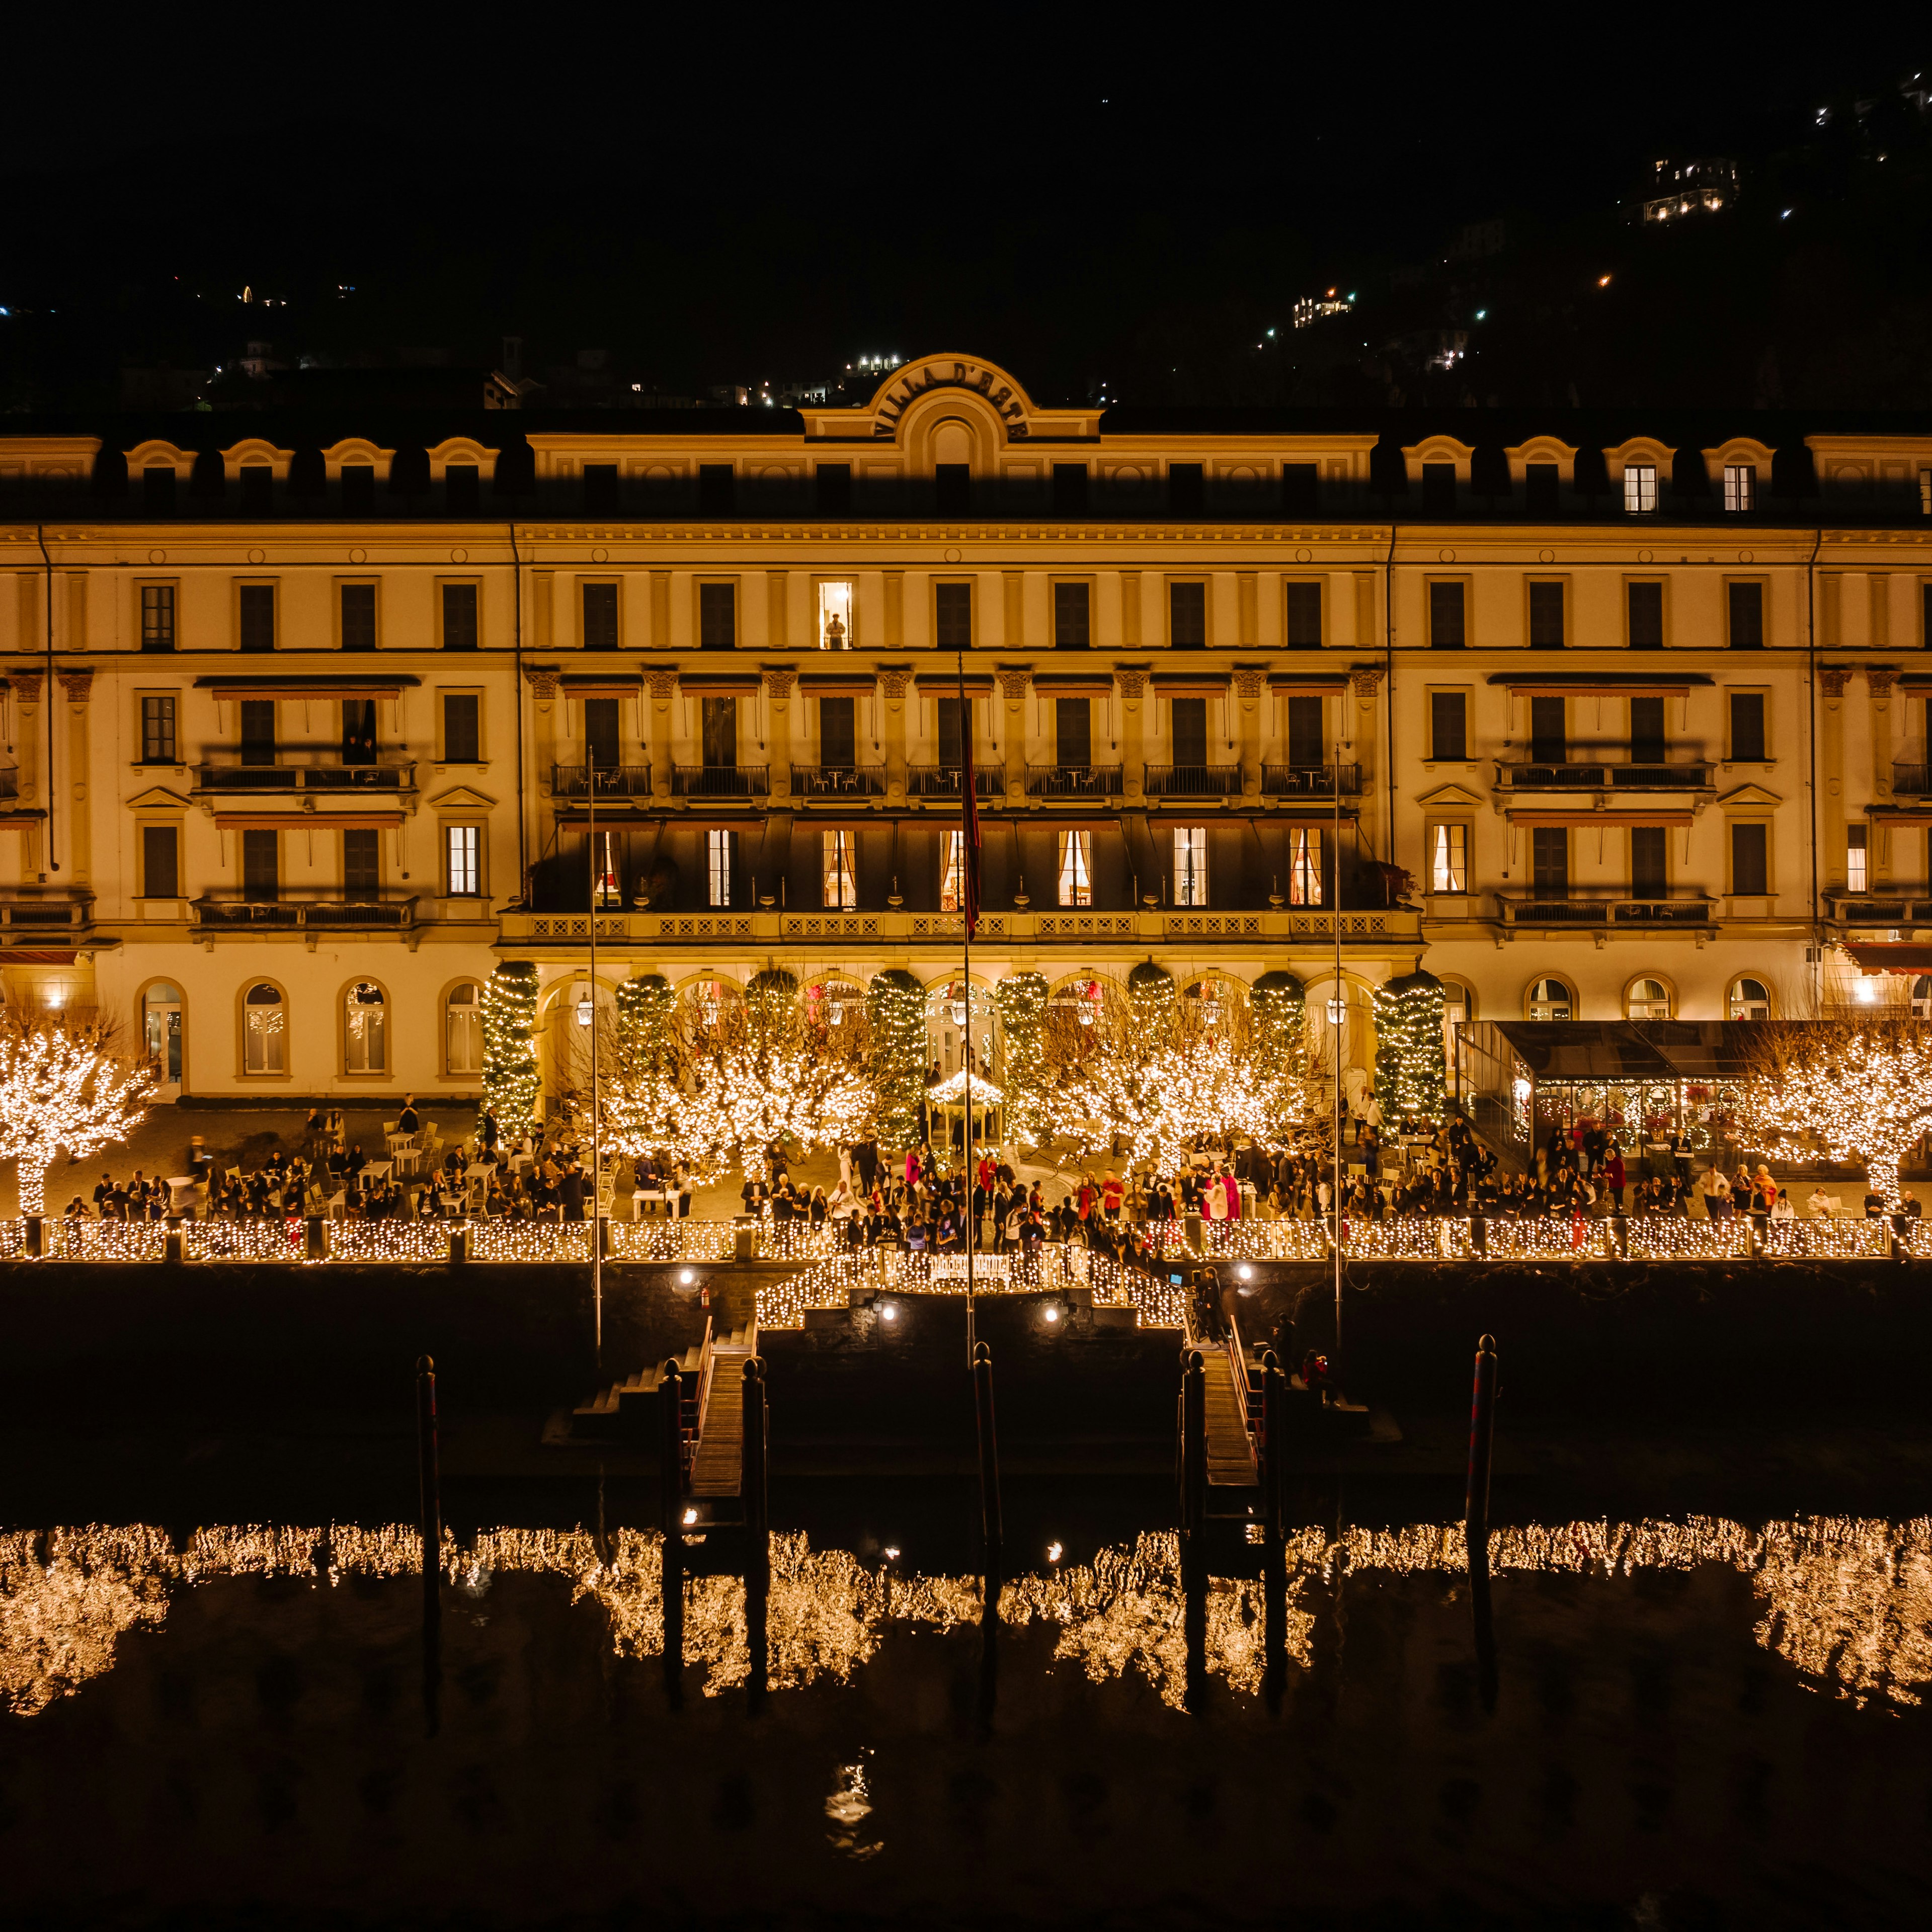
1695,1721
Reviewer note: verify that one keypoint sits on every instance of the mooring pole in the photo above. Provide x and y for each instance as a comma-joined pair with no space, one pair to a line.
670,1500
991,1532
758,1528
430,1492
1476,1511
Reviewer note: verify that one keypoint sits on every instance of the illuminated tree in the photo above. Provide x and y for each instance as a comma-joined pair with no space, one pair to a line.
510,1081
1853,1094
1411,1061
63,1086
895,1012
1021,999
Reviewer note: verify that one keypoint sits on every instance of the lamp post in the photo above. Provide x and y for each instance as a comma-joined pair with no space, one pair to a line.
596,1109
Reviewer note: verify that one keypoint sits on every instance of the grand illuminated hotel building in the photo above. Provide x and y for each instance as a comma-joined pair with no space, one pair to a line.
301,729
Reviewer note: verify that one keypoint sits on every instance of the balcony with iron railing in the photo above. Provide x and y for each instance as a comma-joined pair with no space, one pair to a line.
721,781
1310,782
1887,905
1915,780
1568,775
299,909
615,782
1572,906
302,768
1193,781
44,909
838,781
942,781
1073,781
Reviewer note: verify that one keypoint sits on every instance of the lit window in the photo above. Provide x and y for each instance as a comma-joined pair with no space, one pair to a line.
1304,866
462,855
1190,865
1449,859
718,867
1639,489
365,1031
1550,1000
264,1031
1647,1000
608,862
1749,1000
1925,493
158,730
841,885
834,617
952,875
1740,486
1855,858
1076,869
463,1031
1921,999
157,617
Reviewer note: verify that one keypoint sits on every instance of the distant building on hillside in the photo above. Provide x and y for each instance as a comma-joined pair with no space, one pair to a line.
1691,188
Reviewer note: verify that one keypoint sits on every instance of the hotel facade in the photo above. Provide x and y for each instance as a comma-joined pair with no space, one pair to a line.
304,733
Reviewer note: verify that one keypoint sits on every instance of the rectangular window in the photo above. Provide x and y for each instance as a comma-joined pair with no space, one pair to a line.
1072,731
947,720
607,859
157,729
1446,616
1300,489
717,490
1438,488
1646,731
838,732
1188,729
463,489
717,867
840,881
717,617
1740,487
600,616
258,489
1549,731
1644,605
463,861
1925,493
1076,869
1304,616
1639,489
1186,497
1305,735
1070,630
836,629
1546,617
160,862
462,728
1856,874
157,617
1304,866
358,616
952,873
257,612
460,627
1540,485
603,736
1187,617
1070,489
258,731
261,865
1925,610
358,730
1448,725
358,489
1747,735
952,616
832,484
362,863
1549,862
1190,865
1449,859
719,723
157,490
952,489
1750,859
1745,605
1648,854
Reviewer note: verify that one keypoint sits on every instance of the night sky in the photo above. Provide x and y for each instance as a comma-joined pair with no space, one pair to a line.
1108,198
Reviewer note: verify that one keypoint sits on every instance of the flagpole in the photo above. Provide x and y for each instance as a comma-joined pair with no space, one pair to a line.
968,907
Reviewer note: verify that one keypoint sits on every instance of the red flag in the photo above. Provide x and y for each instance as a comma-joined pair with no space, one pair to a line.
969,814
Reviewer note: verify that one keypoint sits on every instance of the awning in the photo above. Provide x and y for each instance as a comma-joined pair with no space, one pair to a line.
1625,683
839,684
939,682
1307,687
1595,1050
305,821
344,686
1890,955
590,686
718,684
1589,818
1074,684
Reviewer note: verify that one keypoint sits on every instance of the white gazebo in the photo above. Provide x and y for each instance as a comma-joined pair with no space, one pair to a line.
947,1098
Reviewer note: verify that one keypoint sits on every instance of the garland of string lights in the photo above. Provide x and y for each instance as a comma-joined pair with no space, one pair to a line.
1412,1063
895,1014
61,1086
510,1082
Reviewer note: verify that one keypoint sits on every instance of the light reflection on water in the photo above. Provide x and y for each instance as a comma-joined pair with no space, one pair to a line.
1846,1600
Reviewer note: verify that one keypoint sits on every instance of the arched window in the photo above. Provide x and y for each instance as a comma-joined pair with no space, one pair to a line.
161,1030
1750,999
1551,1000
1458,1009
365,1033
1647,1000
265,1029
462,1031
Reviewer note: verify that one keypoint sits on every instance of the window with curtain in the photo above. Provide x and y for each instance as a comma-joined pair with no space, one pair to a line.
365,1030
1639,489
840,877
157,617
463,860
1190,865
264,1031
719,725
1855,873
1449,859
158,730
717,866
1076,869
952,873
1740,488
463,1031
1304,866
608,860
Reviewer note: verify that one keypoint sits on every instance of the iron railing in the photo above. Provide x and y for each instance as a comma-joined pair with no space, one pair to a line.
721,781
298,911
601,781
1094,781
1311,781
1193,780
838,781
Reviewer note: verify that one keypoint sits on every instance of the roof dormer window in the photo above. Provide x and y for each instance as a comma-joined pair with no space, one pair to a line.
1640,489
